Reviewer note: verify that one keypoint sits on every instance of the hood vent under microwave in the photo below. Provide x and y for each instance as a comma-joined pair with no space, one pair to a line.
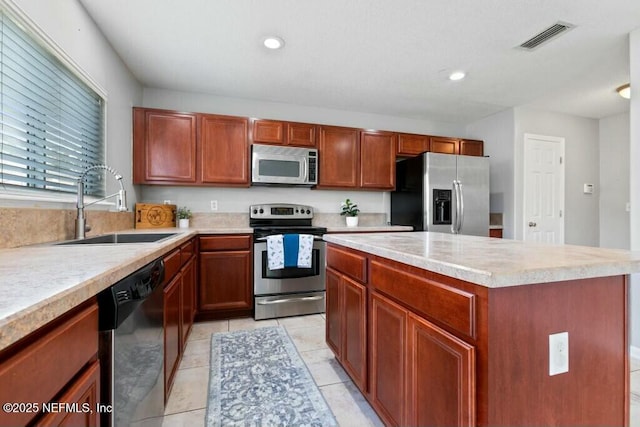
546,35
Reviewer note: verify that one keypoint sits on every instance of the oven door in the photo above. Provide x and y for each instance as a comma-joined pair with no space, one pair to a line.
288,280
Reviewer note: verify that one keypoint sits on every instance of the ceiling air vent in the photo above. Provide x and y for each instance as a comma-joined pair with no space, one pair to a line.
546,35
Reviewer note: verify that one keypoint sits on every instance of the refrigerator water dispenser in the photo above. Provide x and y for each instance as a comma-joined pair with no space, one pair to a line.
441,206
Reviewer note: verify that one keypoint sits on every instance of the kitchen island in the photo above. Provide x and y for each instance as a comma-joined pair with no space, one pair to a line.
439,329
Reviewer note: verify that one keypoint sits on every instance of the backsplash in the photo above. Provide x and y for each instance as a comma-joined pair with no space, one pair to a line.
214,220
29,226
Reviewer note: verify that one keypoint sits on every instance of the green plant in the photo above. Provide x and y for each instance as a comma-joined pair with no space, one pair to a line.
184,213
349,208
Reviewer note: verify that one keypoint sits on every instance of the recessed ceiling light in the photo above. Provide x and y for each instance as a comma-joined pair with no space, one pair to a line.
624,91
457,75
273,42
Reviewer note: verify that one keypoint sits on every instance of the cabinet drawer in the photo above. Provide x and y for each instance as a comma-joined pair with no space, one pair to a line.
218,243
172,263
186,251
40,370
445,304
349,263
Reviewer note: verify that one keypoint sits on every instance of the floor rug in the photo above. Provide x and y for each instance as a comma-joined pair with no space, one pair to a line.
257,378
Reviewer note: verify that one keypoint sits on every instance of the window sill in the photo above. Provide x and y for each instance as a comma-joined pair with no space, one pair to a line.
13,199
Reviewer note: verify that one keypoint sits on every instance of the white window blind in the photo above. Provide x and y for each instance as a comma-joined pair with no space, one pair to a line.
51,122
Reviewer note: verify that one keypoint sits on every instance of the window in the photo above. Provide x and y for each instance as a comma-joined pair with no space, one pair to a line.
51,121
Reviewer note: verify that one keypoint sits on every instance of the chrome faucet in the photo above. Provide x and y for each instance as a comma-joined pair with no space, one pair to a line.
121,198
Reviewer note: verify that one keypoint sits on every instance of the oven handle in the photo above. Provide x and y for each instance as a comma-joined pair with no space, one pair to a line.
264,239
285,300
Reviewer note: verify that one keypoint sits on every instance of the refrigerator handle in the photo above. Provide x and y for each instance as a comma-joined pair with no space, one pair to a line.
454,223
457,222
460,206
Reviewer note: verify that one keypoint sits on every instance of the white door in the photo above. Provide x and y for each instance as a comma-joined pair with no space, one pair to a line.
543,189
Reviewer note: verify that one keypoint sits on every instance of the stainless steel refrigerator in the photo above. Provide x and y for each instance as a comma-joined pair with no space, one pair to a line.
442,192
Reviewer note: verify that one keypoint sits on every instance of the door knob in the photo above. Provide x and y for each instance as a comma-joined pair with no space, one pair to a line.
532,224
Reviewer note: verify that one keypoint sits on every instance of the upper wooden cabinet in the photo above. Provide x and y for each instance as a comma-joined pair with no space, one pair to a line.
412,145
378,160
284,133
467,147
224,150
170,147
471,147
339,153
350,158
164,147
438,144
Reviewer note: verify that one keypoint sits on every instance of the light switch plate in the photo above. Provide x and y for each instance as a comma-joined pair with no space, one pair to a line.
558,353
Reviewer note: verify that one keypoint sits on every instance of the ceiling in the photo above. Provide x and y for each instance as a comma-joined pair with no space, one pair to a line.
389,57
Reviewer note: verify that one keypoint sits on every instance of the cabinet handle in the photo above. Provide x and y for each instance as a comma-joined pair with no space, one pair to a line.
532,224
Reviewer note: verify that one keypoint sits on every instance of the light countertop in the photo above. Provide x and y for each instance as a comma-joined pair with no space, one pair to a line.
493,262
41,282
38,283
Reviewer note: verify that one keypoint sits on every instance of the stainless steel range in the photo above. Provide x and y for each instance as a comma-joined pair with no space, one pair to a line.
288,291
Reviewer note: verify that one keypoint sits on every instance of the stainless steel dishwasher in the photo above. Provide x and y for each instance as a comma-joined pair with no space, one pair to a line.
132,348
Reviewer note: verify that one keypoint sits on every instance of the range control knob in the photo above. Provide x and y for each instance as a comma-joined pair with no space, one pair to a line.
308,211
261,210
255,211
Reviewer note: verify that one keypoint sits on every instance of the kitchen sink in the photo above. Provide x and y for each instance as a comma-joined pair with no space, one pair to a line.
117,238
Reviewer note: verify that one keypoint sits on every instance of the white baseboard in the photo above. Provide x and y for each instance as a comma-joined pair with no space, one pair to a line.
634,352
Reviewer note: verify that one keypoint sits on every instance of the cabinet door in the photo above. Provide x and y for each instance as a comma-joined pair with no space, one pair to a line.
441,375
333,312
412,145
388,366
188,274
225,281
301,134
225,150
354,327
378,160
269,132
172,333
471,147
438,144
164,147
84,393
339,157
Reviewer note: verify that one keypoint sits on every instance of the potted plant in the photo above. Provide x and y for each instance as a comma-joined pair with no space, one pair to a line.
350,210
183,214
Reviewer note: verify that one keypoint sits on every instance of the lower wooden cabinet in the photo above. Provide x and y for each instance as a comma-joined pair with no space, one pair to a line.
179,307
172,340
412,370
440,376
56,364
346,312
388,371
226,285
83,395
188,278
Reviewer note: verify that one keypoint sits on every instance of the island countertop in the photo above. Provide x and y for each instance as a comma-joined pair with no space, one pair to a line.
492,262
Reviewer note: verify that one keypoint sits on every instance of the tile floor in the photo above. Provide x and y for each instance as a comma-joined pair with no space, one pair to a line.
188,401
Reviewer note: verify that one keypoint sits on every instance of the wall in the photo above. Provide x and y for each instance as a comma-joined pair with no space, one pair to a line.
497,131
614,181
67,23
634,161
581,166
238,200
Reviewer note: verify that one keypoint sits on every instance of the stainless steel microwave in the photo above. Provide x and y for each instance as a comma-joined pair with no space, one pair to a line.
273,164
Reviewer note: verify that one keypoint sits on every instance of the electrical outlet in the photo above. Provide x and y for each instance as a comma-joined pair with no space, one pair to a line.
167,202
214,205
558,353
